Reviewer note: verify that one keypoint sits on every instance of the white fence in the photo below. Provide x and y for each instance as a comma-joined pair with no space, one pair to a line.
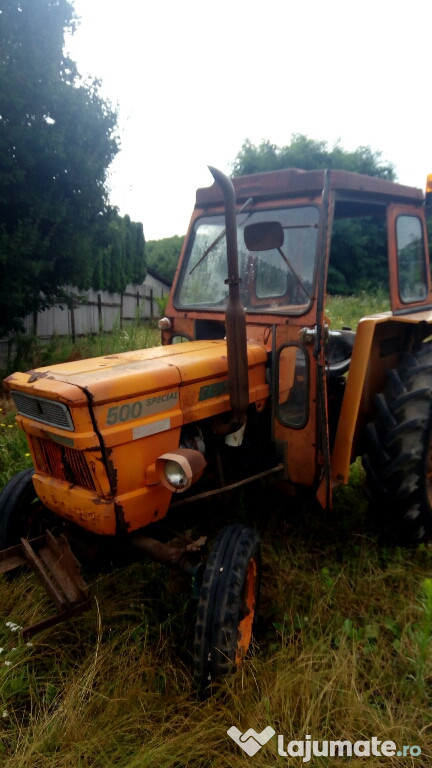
93,312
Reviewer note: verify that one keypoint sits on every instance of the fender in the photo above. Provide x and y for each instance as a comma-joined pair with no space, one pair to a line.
379,341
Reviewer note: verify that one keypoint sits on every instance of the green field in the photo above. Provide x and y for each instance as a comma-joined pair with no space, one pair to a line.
343,649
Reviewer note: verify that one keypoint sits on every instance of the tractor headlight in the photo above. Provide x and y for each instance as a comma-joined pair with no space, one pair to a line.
175,475
180,469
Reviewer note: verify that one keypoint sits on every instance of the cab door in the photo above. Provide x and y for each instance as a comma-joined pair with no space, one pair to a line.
300,422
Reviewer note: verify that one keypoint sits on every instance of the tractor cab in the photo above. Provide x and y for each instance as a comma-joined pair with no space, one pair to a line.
297,234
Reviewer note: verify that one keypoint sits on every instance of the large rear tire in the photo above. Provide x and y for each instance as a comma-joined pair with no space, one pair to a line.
22,514
227,605
398,462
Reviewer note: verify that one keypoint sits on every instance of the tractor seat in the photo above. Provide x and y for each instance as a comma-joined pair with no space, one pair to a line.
339,350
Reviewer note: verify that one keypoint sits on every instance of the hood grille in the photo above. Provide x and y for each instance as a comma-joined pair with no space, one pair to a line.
46,411
62,463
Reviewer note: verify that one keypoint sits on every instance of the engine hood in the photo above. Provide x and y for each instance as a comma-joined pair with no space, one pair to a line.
140,372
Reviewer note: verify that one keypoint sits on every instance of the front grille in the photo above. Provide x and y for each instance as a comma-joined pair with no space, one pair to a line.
62,462
47,411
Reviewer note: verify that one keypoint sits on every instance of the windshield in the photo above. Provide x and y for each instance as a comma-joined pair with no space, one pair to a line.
275,280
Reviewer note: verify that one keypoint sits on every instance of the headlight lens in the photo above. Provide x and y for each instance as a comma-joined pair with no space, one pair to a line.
175,474
180,469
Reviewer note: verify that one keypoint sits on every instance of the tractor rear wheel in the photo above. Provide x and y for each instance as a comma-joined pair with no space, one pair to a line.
21,512
398,462
227,605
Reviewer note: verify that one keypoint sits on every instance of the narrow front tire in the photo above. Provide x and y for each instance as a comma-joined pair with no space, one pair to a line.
227,606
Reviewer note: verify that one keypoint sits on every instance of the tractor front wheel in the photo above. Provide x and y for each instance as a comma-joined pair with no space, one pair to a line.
228,604
22,514
398,462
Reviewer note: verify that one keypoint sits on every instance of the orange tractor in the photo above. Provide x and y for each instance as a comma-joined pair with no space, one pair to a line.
250,382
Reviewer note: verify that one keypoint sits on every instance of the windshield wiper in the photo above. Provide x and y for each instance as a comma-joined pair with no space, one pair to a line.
222,235
290,266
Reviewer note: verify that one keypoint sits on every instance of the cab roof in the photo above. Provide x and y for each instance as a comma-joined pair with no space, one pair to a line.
292,182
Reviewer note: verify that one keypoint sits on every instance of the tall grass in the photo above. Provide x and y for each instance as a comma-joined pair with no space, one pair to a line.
348,310
343,650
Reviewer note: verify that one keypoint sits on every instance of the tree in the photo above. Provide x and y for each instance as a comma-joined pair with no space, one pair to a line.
308,154
163,256
359,242
118,253
57,139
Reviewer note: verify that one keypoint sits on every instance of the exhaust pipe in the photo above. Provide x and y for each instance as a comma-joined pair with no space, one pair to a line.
235,318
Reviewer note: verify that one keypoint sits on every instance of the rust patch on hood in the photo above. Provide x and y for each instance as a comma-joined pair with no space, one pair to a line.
36,375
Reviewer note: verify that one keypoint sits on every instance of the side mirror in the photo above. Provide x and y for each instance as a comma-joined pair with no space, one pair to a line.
263,236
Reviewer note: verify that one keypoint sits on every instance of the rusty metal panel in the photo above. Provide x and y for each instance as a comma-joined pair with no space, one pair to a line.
58,570
291,181
265,185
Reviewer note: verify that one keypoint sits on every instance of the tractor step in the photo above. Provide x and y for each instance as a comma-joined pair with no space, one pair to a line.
58,570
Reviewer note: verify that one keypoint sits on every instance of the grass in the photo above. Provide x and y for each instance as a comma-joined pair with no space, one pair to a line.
343,650
14,454
347,310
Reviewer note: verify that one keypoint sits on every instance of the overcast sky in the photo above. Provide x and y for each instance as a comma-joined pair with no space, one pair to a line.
193,79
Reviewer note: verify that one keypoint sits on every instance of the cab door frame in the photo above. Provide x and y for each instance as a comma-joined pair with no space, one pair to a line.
306,445
400,306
